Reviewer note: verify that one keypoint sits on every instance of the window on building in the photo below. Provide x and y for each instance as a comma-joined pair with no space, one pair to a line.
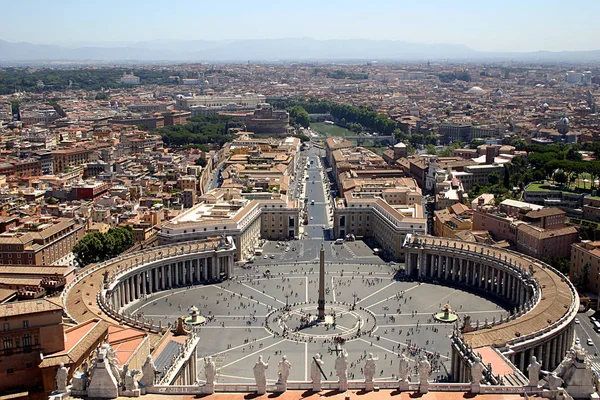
26,324
10,371
8,343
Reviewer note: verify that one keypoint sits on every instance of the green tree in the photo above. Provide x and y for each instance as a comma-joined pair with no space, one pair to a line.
475,143
97,247
299,116
560,177
201,162
431,149
494,178
446,152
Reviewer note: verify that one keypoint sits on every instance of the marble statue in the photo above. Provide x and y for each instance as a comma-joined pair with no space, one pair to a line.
341,370
62,374
424,371
148,372
533,371
259,370
102,384
130,381
315,372
403,368
210,370
554,381
124,372
476,371
370,367
369,371
283,370
78,383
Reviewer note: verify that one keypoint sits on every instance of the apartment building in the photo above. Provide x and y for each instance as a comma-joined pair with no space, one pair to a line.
585,265
63,158
29,328
226,212
538,233
245,102
358,159
24,168
334,143
448,222
40,241
591,208
365,213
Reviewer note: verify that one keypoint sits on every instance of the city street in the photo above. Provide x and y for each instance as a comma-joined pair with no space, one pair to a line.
584,331
318,218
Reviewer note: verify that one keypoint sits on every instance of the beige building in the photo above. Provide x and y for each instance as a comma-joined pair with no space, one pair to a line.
69,158
225,212
366,214
43,241
448,222
585,265
334,143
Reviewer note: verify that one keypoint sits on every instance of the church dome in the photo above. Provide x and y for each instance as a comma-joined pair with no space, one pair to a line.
476,90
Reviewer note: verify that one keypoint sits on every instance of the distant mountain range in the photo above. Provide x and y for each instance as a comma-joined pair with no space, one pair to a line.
271,50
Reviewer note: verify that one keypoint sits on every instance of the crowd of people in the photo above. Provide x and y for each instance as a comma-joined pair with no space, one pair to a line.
249,299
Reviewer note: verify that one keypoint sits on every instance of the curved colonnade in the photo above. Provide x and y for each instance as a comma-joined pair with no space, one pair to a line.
544,301
105,289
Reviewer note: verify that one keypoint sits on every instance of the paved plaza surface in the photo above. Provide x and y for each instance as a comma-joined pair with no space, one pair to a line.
394,316
269,307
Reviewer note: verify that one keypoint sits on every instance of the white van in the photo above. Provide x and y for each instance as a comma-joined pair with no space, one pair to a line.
339,241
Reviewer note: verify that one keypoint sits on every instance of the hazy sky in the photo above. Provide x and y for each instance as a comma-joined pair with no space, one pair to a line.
506,25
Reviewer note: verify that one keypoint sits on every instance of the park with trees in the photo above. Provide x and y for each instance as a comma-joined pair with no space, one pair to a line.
201,131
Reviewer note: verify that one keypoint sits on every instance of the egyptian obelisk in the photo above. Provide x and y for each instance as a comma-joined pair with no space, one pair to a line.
321,302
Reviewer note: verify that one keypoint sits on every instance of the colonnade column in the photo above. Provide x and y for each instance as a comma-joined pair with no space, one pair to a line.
126,285
546,361
143,279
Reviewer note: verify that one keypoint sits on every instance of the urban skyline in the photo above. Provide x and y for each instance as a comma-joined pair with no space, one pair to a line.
510,26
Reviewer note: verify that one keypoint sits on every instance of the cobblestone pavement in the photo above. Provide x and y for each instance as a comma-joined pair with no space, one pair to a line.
237,335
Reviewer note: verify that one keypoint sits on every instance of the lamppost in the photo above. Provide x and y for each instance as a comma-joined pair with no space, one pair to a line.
354,295
287,306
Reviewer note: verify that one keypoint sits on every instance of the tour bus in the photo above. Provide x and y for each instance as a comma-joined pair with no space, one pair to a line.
596,326
258,252
339,241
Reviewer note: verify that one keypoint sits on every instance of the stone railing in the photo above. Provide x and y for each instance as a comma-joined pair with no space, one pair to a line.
188,350
507,259
468,355
333,385
127,320
131,262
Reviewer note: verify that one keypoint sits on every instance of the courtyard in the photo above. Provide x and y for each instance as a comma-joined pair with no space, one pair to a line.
266,310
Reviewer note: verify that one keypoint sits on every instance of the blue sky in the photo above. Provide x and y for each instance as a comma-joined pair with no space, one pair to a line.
505,25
